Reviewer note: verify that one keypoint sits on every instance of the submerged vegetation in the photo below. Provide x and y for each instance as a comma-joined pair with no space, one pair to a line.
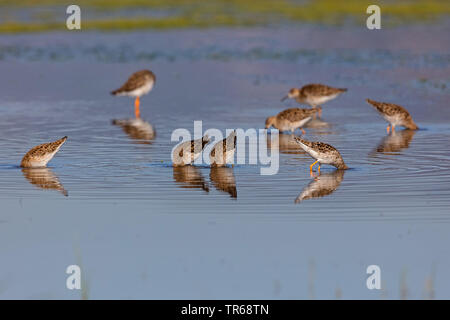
45,15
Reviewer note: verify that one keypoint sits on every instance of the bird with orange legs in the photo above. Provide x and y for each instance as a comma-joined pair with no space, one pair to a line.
394,114
314,94
137,85
323,153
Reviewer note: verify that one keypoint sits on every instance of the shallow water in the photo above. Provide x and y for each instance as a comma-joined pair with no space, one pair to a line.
111,202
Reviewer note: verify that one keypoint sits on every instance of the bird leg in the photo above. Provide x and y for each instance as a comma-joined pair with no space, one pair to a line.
311,166
393,128
137,112
320,111
319,169
388,129
303,131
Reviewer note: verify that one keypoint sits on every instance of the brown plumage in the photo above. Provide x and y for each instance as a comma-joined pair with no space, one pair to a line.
186,152
394,114
290,119
40,155
314,94
317,89
223,151
322,152
137,85
135,81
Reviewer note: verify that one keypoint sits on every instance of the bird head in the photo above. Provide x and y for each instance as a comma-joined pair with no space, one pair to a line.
292,94
269,122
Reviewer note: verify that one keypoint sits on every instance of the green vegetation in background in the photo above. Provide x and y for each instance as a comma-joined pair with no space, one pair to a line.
218,13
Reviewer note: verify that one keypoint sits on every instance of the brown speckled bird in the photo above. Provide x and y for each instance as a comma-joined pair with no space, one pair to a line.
314,94
323,153
138,84
291,119
223,152
39,156
186,152
394,114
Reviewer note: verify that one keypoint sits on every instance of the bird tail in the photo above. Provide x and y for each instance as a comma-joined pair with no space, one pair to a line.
343,89
375,104
62,140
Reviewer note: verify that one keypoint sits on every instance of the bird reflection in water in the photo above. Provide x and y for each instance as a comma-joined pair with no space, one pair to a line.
137,129
223,180
190,177
44,178
324,184
395,142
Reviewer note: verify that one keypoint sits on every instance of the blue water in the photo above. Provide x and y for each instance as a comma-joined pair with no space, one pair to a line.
111,202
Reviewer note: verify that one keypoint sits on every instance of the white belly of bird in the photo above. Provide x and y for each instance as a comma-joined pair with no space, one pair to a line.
317,101
219,159
300,124
323,159
141,90
393,120
187,157
286,125
42,161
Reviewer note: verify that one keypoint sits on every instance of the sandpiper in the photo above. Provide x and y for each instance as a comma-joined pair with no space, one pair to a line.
314,94
394,114
186,153
39,156
323,153
290,119
223,151
138,84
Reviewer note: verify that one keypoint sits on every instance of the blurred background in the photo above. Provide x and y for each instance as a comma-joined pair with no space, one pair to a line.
34,16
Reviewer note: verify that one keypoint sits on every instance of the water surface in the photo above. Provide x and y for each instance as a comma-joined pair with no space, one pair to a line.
111,201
